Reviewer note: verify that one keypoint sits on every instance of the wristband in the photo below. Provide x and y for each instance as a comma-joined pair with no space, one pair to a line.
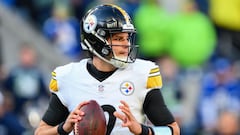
145,130
60,129
162,130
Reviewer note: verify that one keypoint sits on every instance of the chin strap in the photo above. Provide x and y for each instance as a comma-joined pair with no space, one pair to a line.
118,64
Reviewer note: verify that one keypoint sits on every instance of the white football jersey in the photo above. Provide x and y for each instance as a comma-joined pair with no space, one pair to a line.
73,84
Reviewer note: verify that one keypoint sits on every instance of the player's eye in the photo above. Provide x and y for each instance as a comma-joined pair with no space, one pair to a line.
121,39
117,38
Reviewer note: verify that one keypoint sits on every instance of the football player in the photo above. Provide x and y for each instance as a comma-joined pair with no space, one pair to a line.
126,87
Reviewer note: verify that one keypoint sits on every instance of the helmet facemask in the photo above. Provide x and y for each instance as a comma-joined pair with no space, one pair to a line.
123,61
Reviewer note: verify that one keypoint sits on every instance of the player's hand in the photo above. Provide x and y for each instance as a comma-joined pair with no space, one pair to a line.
128,119
75,116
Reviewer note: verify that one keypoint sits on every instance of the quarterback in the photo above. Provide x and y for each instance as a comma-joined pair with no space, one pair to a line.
126,87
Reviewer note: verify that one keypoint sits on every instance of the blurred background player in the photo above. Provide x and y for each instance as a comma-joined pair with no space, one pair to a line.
63,30
26,84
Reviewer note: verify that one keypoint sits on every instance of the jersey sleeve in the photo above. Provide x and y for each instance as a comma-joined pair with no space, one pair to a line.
154,78
53,86
59,75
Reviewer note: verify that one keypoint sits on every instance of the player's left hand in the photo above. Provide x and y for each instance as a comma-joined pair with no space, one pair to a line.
128,119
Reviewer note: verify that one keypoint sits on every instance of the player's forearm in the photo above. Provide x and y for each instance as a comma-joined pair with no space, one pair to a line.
45,129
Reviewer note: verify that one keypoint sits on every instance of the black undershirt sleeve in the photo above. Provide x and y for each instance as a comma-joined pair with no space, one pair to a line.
56,112
156,110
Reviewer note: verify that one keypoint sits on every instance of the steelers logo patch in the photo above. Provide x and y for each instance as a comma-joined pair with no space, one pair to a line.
90,24
127,88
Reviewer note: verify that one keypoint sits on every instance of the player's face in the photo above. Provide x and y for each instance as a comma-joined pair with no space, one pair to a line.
120,44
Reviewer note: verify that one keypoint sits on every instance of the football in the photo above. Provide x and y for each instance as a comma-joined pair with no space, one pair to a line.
93,122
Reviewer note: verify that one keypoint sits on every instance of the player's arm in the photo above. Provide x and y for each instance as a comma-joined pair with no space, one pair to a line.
158,113
45,129
155,108
55,114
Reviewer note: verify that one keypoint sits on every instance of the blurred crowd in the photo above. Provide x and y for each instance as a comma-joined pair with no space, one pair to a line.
195,42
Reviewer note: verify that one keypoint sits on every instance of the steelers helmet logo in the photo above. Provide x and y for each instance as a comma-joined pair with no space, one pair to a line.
127,88
90,24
